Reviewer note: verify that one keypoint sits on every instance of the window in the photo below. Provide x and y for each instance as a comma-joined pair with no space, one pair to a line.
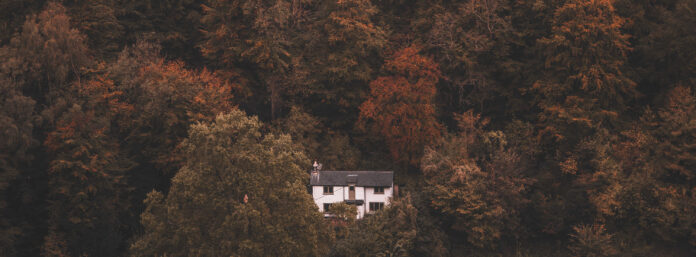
326,207
328,190
376,206
379,190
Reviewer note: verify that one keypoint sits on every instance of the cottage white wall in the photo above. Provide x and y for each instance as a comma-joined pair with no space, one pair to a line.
320,198
370,196
341,193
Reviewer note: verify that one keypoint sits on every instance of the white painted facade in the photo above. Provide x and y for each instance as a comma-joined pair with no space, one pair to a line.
341,194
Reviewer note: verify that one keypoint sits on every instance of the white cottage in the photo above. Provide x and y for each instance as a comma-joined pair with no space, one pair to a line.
368,190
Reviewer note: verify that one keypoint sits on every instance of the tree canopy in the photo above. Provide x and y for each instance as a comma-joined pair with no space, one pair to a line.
187,127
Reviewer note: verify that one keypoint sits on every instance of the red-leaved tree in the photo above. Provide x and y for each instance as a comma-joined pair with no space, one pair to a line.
400,106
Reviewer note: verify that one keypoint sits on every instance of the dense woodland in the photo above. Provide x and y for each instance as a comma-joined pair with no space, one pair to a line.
188,127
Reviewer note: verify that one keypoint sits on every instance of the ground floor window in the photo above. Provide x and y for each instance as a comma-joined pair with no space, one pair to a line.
376,206
326,207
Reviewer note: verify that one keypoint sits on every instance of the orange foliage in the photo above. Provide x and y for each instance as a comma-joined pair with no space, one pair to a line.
170,98
400,107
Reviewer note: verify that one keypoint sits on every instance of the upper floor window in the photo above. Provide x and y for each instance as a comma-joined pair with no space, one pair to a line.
328,190
379,190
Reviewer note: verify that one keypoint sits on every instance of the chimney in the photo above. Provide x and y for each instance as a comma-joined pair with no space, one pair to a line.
315,170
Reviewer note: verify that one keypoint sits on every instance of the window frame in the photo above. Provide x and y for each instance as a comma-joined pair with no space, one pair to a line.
327,206
328,190
380,206
378,190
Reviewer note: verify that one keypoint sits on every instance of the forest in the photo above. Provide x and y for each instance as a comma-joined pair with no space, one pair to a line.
189,127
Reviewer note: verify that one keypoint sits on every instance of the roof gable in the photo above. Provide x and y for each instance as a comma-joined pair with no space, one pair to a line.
359,178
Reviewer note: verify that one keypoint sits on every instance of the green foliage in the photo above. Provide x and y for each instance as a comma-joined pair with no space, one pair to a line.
319,143
239,193
394,231
344,211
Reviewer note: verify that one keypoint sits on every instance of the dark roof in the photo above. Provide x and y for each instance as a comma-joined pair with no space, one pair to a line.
359,178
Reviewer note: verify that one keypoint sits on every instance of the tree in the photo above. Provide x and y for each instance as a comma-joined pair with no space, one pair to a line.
39,63
471,43
175,24
592,241
398,230
333,149
46,56
98,21
400,106
656,189
88,192
475,180
254,37
586,53
344,47
166,99
582,96
18,120
13,14
239,193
